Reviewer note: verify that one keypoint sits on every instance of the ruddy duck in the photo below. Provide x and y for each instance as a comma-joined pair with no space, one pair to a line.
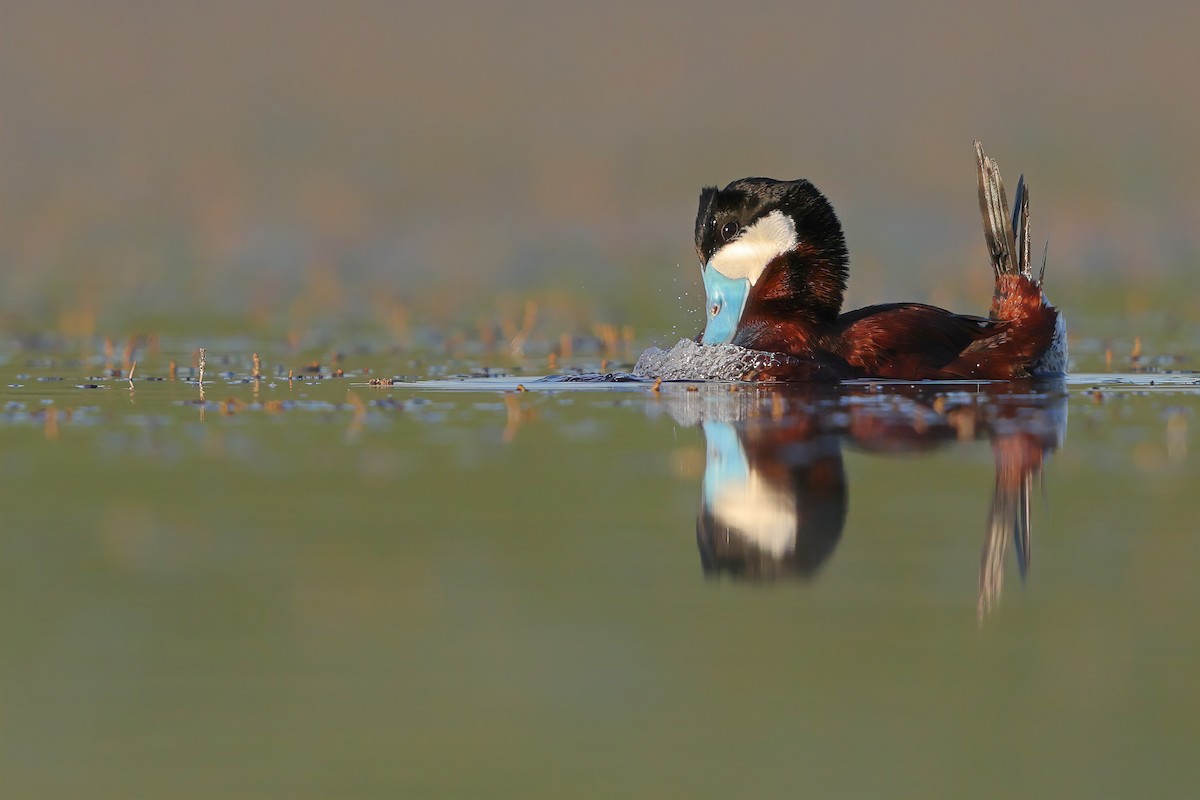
774,264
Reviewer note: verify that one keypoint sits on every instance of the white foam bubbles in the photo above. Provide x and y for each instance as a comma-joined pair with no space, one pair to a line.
690,361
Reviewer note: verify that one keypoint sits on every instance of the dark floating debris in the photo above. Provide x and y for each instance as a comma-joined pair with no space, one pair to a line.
595,377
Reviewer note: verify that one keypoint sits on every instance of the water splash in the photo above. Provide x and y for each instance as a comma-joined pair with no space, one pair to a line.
689,361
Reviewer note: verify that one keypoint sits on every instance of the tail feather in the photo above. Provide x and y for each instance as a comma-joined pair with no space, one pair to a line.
1019,297
993,205
1020,223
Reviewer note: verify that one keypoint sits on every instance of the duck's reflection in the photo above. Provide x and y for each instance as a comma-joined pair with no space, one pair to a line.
774,499
775,493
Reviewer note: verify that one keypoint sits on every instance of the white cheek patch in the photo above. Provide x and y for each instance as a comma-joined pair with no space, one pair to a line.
748,255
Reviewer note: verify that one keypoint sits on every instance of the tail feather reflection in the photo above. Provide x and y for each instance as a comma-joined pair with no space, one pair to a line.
1018,462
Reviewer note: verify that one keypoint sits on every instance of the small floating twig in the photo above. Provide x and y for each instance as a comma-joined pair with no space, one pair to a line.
201,369
131,369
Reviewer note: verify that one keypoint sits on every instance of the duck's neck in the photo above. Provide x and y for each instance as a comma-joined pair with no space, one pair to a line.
797,337
799,297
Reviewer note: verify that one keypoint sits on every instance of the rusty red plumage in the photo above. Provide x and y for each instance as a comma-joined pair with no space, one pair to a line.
793,306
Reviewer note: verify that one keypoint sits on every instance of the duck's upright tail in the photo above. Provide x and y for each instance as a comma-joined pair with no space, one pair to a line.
1018,297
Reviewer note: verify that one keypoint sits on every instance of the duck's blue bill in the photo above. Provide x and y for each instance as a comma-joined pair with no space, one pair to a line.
726,300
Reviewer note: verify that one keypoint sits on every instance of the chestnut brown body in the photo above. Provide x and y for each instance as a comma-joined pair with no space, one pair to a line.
792,301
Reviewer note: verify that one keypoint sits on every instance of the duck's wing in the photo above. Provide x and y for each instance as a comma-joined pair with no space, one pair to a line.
911,341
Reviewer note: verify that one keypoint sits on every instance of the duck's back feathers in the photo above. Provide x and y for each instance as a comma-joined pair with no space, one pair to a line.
910,341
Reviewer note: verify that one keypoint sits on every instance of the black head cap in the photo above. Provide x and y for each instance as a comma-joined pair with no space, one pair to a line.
819,267
725,212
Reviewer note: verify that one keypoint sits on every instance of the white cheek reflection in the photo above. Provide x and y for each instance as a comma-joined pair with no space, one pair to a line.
740,498
762,515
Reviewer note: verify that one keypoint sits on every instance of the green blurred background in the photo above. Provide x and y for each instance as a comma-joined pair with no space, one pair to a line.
315,589
302,163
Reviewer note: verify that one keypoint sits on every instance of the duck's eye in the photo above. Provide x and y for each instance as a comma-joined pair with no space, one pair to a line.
729,230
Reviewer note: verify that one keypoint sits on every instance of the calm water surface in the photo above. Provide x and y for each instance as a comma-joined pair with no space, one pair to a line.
497,587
